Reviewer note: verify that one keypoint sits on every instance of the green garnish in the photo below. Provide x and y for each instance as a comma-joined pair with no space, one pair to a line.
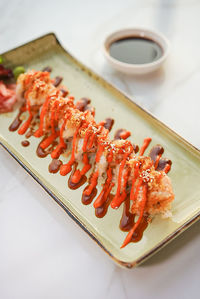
17,71
1,59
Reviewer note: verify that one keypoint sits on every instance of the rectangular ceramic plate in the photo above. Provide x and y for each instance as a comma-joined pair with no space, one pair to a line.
109,102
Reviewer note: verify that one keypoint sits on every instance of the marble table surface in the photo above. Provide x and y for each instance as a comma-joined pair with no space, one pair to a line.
43,253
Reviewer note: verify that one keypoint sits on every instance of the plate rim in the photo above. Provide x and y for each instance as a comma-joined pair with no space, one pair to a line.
195,150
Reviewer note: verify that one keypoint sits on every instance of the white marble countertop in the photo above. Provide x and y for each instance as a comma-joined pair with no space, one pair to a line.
43,253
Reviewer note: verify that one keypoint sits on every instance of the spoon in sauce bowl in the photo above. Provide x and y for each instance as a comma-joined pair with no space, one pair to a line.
136,51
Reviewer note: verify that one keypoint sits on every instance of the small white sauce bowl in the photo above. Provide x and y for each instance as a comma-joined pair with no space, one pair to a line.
137,69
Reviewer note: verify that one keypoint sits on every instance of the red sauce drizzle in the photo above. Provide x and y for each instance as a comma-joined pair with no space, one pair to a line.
144,146
157,160
136,169
79,174
125,135
156,153
101,199
54,166
160,163
39,131
90,190
48,141
66,168
120,197
167,168
73,183
91,141
128,221
85,141
25,125
99,152
122,134
53,116
62,145
41,153
92,184
138,233
78,177
88,198
104,199
29,133
140,218
101,211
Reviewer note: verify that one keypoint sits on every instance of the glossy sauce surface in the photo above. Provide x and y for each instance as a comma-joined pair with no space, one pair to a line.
87,199
25,143
109,122
16,122
135,50
54,166
41,152
75,185
127,220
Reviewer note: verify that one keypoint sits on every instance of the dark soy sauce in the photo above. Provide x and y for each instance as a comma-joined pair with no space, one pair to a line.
135,50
